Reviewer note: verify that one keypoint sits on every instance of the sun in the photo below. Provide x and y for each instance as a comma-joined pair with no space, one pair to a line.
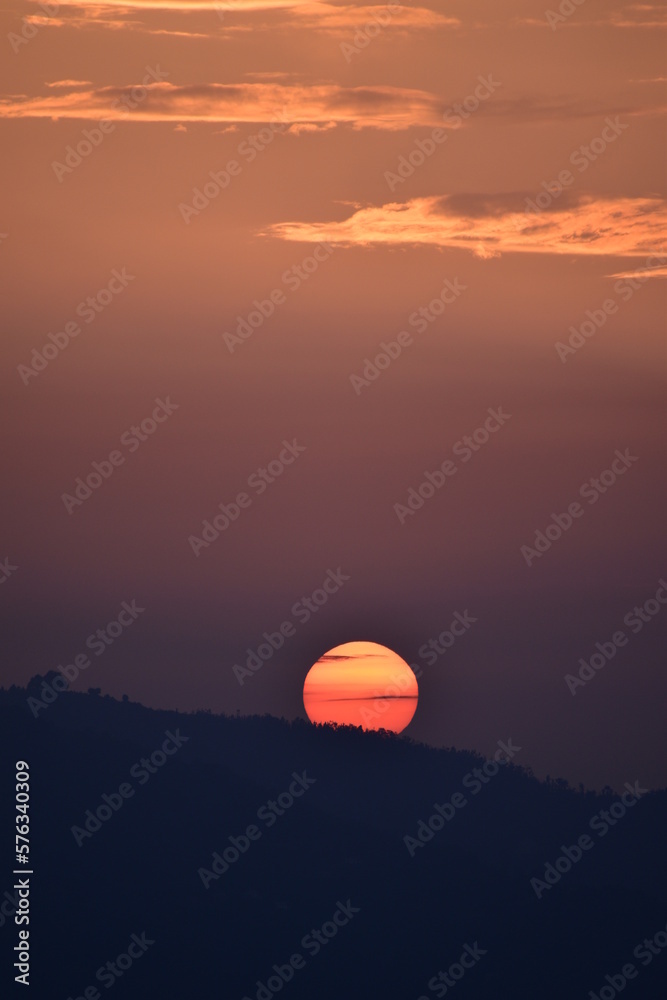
361,684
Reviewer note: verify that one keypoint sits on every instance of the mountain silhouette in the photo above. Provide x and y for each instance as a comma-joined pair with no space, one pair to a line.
244,857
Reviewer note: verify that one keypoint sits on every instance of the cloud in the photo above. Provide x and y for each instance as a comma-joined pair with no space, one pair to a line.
223,18
489,225
336,18
651,271
95,7
318,106
97,17
635,15
536,110
303,127
639,15
379,696
352,656
317,15
70,84
360,107
310,10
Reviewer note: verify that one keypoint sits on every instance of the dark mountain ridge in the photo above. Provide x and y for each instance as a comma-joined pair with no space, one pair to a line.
235,837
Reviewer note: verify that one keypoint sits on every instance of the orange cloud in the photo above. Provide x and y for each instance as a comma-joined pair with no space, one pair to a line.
330,17
69,84
318,15
490,225
261,100
625,16
94,7
361,107
302,127
639,15
337,13
651,271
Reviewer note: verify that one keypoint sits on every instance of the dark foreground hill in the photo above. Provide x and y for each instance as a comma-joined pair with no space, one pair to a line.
192,855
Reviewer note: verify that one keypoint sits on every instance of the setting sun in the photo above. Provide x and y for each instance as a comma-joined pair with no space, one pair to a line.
361,684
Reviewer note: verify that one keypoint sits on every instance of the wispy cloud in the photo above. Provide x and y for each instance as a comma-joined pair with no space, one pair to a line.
360,107
236,15
95,7
336,18
491,225
321,105
639,15
635,15
652,271
69,84
377,697
352,656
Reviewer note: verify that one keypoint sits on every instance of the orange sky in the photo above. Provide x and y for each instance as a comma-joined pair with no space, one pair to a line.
356,126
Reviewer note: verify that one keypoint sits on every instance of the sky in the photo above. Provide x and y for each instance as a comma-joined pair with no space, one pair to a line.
347,304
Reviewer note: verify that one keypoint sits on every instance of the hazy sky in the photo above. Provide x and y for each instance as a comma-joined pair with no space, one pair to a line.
480,188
